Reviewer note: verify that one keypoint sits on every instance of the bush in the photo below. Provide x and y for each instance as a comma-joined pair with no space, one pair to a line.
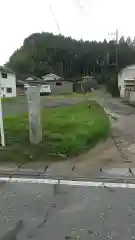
112,86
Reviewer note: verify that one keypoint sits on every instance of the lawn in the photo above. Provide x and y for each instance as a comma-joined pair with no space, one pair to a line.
67,131
71,95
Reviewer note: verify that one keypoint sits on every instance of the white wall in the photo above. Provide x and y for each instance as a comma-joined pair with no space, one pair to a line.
128,72
9,82
132,96
65,88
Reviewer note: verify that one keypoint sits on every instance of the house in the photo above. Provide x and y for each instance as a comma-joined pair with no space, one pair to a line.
52,78
58,84
85,84
90,82
7,82
126,83
44,88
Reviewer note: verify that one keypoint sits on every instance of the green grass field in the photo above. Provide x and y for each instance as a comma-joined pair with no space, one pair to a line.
71,95
67,131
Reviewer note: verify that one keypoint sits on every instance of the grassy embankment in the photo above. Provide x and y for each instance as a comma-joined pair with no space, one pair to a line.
67,131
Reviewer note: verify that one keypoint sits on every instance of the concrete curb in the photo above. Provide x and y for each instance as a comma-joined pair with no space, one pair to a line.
68,182
111,115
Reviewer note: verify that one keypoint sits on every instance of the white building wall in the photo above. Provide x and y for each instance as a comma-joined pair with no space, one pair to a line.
8,85
132,96
128,72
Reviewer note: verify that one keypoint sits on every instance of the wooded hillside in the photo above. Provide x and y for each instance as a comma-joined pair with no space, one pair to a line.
44,53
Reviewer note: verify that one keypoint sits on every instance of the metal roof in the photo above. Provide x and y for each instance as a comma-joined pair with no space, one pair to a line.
88,77
7,70
129,67
32,78
51,77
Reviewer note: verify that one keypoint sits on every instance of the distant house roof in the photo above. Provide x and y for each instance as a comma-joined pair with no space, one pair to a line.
7,70
51,77
127,68
130,67
88,80
29,79
32,78
88,77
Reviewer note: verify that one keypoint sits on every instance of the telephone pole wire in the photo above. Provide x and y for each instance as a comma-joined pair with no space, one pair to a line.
55,19
79,5
116,34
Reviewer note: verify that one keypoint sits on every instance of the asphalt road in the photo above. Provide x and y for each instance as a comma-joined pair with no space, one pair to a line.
20,105
42,211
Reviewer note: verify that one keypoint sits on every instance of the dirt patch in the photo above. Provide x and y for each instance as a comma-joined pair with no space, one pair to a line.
113,152
103,155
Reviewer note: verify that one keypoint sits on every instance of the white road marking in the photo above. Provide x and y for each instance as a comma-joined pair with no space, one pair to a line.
67,182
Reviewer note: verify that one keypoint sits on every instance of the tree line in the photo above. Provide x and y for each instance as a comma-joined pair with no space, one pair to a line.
43,53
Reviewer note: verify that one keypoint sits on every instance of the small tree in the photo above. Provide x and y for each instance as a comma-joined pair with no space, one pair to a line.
112,86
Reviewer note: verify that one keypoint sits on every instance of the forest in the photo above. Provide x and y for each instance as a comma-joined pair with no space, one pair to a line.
43,53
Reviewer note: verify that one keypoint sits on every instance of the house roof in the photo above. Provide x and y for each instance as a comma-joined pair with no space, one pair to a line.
51,77
32,78
129,67
87,77
88,80
5,69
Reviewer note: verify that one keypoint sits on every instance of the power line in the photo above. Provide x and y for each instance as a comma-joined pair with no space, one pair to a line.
55,19
116,34
75,3
78,4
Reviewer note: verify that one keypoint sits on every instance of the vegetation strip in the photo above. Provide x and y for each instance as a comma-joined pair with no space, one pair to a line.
67,132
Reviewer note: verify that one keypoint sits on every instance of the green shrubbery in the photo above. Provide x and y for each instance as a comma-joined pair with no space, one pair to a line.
112,86
66,130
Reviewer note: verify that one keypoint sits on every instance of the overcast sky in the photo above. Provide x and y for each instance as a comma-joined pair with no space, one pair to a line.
20,18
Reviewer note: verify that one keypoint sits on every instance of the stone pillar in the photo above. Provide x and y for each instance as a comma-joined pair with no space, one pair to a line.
128,95
35,131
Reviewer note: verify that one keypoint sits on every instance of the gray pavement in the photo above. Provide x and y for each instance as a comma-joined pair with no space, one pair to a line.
41,211
115,105
20,105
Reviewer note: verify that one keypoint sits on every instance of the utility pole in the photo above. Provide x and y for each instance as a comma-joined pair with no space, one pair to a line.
33,48
1,123
106,64
61,68
84,73
55,19
116,34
